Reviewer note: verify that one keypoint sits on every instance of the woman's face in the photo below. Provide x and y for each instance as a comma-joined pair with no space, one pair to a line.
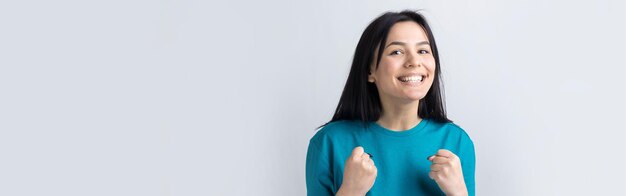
407,66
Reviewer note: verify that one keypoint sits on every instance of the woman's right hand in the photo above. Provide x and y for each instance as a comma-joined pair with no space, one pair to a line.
359,173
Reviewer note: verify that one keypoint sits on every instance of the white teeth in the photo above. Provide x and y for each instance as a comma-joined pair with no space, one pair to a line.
411,79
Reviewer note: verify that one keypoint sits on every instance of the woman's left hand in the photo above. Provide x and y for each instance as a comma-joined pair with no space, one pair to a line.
446,171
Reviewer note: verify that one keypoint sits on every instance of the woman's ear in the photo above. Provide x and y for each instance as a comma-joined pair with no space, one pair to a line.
370,76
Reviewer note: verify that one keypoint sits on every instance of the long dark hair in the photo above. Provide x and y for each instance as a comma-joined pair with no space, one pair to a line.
360,99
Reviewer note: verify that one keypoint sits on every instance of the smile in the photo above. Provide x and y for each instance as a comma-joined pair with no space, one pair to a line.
413,79
417,78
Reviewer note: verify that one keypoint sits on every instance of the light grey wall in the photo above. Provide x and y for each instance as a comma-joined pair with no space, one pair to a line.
211,98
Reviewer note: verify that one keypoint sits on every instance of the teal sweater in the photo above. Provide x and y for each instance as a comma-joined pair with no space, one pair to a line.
399,156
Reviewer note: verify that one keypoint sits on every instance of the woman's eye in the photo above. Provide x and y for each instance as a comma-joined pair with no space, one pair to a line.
396,52
423,51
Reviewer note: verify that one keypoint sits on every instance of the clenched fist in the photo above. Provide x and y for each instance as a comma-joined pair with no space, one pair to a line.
446,171
359,173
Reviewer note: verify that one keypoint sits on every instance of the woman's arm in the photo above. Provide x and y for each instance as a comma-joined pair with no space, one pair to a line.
318,177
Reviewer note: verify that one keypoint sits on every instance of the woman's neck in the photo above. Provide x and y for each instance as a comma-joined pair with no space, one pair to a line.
399,117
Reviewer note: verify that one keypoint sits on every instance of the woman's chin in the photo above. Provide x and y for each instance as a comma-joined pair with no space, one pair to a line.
415,97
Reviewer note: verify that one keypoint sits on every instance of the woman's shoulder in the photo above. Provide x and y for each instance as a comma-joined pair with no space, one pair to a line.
338,129
450,128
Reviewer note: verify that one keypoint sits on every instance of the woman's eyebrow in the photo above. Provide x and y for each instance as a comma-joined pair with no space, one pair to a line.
403,43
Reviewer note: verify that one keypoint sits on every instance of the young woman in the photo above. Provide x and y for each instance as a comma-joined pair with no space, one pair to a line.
390,134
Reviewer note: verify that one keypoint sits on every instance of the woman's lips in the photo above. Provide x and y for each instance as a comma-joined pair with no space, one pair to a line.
412,80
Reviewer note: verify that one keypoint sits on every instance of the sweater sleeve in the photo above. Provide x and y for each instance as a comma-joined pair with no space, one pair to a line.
468,163
319,180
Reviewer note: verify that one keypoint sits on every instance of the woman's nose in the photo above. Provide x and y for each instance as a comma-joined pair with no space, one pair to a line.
414,61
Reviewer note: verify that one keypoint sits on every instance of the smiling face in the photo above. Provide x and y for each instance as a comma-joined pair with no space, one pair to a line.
407,65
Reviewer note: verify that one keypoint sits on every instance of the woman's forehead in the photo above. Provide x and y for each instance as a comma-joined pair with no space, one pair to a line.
407,31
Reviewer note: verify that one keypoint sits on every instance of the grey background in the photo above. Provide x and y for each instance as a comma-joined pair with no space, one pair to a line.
211,98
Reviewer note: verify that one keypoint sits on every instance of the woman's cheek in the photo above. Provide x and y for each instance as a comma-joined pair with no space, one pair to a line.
431,64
